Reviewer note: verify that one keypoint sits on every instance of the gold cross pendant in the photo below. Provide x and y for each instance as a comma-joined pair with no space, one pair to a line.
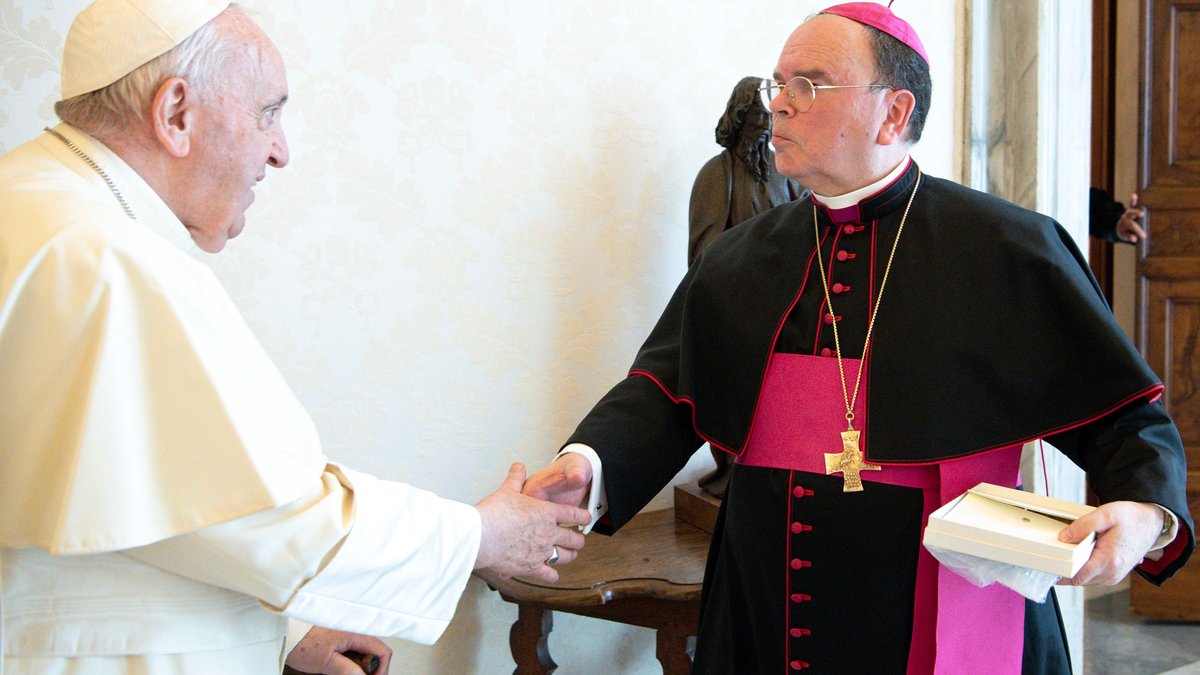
849,461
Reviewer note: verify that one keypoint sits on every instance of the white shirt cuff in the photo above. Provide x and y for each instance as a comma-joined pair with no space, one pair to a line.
597,501
297,629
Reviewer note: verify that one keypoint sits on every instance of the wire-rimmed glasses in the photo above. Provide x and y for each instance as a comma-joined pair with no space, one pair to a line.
802,93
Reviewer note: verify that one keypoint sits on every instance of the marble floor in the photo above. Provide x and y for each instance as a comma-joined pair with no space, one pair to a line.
1118,643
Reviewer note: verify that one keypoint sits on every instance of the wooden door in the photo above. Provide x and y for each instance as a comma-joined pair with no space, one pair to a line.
1168,268
1104,55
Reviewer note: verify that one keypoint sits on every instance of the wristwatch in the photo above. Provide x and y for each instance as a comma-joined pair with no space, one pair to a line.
1168,521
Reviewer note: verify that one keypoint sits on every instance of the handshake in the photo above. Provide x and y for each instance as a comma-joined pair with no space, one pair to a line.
530,525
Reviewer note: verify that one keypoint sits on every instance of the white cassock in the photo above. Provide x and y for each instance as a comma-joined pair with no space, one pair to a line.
164,501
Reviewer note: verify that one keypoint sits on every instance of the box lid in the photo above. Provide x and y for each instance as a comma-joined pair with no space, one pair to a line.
1010,526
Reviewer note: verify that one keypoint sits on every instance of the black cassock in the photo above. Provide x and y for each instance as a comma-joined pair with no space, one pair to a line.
991,332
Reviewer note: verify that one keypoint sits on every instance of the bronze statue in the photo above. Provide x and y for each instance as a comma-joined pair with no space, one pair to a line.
732,187
741,182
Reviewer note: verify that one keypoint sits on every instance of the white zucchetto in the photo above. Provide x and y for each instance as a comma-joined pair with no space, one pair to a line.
111,38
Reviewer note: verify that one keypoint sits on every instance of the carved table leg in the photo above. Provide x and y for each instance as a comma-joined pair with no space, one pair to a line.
673,652
528,641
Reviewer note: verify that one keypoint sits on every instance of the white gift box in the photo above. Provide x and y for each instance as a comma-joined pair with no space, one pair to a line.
1011,526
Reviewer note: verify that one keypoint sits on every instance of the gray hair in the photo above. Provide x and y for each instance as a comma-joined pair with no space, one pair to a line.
901,67
199,59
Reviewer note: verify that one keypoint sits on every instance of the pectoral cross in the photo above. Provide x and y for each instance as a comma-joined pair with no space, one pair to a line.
849,461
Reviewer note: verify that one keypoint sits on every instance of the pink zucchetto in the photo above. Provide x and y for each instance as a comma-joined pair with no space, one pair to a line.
111,38
878,16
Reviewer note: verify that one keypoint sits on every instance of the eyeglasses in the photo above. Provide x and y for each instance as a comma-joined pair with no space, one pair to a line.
802,93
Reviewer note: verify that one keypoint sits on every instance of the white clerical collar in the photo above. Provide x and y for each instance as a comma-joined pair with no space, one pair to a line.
851,198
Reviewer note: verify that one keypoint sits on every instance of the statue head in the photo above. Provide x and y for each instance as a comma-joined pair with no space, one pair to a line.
745,128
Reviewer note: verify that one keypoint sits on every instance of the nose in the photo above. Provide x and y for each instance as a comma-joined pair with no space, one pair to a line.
279,151
780,104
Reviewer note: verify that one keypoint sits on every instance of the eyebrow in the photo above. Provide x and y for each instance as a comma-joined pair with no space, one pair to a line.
813,75
277,103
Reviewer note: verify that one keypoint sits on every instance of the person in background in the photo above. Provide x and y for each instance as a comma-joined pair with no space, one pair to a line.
165,504
867,354
1109,220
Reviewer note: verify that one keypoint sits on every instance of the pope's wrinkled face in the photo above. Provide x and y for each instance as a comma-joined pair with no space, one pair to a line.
824,147
239,133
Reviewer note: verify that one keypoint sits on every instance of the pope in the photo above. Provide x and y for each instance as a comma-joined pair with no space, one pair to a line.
165,504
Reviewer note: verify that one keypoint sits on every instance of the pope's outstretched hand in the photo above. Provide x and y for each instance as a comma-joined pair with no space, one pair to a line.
521,533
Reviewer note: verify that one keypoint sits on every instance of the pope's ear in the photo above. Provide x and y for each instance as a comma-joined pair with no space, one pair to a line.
901,104
173,115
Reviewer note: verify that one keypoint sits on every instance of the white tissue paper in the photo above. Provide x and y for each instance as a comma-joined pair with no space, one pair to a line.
982,572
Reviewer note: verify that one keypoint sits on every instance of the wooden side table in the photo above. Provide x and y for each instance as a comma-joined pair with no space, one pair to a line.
647,574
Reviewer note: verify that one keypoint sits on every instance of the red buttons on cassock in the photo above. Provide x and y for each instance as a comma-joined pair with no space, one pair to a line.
850,229
826,352
797,528
799,492
799,632
799,665
800,597
829,319
838,289
843,256
800,564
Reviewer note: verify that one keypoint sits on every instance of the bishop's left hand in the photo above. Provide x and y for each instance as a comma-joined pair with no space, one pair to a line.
1125,531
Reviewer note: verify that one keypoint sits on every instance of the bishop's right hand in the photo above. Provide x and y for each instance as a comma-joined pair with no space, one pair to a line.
567,480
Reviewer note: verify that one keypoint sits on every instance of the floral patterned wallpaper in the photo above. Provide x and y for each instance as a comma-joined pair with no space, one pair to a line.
485,212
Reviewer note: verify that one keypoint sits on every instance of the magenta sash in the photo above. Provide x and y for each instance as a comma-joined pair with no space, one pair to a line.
957,627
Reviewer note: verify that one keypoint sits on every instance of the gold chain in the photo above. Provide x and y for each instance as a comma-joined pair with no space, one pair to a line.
95,167
874,312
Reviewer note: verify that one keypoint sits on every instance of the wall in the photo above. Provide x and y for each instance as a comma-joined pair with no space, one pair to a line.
1029,95
485,212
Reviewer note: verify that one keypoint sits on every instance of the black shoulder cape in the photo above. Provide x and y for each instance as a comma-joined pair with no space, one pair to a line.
992,330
